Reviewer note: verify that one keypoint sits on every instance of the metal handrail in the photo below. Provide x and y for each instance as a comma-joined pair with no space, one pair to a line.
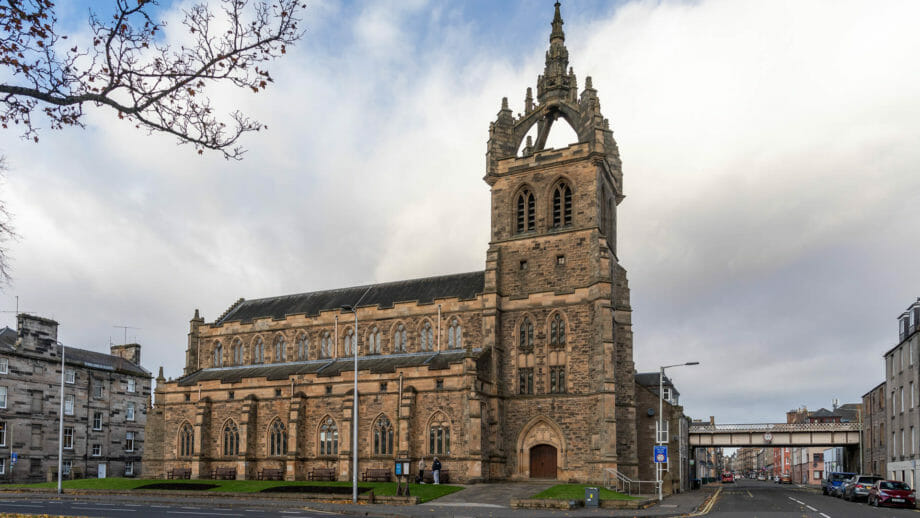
625,484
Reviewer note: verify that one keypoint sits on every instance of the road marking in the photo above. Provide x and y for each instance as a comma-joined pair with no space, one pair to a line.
22,505
203,514
824,515
709,505
811,508
103,509
750,495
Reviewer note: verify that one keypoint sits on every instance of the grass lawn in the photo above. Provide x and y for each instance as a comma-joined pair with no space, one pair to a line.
425,492
577,492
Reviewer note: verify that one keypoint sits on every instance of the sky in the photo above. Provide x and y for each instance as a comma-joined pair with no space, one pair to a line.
770,158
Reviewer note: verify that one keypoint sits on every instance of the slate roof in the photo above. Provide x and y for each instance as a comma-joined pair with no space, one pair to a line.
649,380
462,285
322,368
79,357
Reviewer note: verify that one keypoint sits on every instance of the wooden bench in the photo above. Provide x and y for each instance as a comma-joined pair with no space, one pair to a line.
376,475
185,473
428,476
322,474
224,474
271,474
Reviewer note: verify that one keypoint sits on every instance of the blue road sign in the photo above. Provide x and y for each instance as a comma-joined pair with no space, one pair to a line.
661,454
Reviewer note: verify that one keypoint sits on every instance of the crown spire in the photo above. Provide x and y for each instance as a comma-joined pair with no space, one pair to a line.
557,26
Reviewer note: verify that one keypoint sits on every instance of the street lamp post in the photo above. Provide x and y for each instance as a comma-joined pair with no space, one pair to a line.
354,410
61,424
658,432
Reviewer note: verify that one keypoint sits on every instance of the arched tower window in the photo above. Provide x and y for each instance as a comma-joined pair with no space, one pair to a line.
218,359
399,338
258,351
373,341
526,334
562,205
439,435
328,437
349,341
326,345
231,439
525,220
557,331
426,337
186,440
303,347
454,334
279,349
277,438
383,436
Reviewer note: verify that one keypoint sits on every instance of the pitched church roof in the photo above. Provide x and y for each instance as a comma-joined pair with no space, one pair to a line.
463,286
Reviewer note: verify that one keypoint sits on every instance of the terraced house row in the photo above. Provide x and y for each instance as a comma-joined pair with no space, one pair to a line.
522,369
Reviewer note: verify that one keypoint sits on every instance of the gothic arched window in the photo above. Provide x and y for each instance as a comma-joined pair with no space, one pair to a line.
258,351
383,436
525,212
277,438
326,345
231,439
557,331
186,440
454,335
526,334
399,338
439,435
236,351
279,348
349,341
562,205
426,337
218,360
303,347
328,438
373,341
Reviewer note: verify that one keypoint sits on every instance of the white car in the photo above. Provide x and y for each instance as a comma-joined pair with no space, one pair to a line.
761,478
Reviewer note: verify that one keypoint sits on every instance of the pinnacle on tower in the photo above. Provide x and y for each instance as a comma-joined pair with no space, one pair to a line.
557,80
557,26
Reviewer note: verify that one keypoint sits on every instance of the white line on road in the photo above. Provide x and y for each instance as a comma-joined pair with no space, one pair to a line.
825,516
202,514
21,505
104,509
811,508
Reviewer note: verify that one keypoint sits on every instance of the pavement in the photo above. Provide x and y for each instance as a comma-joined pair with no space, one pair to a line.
485,500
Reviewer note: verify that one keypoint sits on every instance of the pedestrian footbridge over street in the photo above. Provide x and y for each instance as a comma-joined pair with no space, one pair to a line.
770,434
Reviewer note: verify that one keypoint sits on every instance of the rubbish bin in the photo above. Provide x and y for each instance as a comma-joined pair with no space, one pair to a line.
591,494
695,484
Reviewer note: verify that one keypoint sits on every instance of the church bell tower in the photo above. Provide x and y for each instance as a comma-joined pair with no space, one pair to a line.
552,268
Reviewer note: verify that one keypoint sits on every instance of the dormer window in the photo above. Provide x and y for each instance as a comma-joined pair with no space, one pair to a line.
666,394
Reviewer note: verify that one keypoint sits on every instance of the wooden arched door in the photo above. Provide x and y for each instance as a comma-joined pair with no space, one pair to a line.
543,461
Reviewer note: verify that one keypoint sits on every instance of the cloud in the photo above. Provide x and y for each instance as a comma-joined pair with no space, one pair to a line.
770,170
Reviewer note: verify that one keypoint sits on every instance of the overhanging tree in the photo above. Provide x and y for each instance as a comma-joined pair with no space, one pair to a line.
132,68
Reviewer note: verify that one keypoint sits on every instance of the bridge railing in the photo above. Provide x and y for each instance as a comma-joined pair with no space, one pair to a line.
775,427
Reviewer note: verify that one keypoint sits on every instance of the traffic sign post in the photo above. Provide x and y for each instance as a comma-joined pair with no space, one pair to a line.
661,454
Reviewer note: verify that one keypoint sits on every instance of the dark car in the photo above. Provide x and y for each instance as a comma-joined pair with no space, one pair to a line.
858,487
893,493
834,480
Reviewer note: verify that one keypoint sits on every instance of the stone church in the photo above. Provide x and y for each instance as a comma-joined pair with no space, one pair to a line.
521,370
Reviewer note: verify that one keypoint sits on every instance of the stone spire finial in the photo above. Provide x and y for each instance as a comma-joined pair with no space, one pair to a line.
160,375
557,26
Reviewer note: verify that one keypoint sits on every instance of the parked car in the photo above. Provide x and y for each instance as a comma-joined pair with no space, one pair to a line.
893,493
858,487
728,478
785,479
837,491
834,479
761,477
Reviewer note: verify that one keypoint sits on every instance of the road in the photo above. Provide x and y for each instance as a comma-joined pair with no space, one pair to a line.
68,507
753,499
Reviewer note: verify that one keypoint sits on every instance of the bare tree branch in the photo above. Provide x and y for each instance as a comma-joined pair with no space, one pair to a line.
131,69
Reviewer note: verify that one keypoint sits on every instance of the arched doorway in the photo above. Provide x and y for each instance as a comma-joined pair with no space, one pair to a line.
543,461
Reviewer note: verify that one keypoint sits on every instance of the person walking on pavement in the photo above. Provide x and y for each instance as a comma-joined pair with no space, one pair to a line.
436,470
420,477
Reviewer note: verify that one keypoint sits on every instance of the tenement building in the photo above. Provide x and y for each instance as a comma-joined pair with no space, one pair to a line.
875,421
903,416
521,370
105,406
